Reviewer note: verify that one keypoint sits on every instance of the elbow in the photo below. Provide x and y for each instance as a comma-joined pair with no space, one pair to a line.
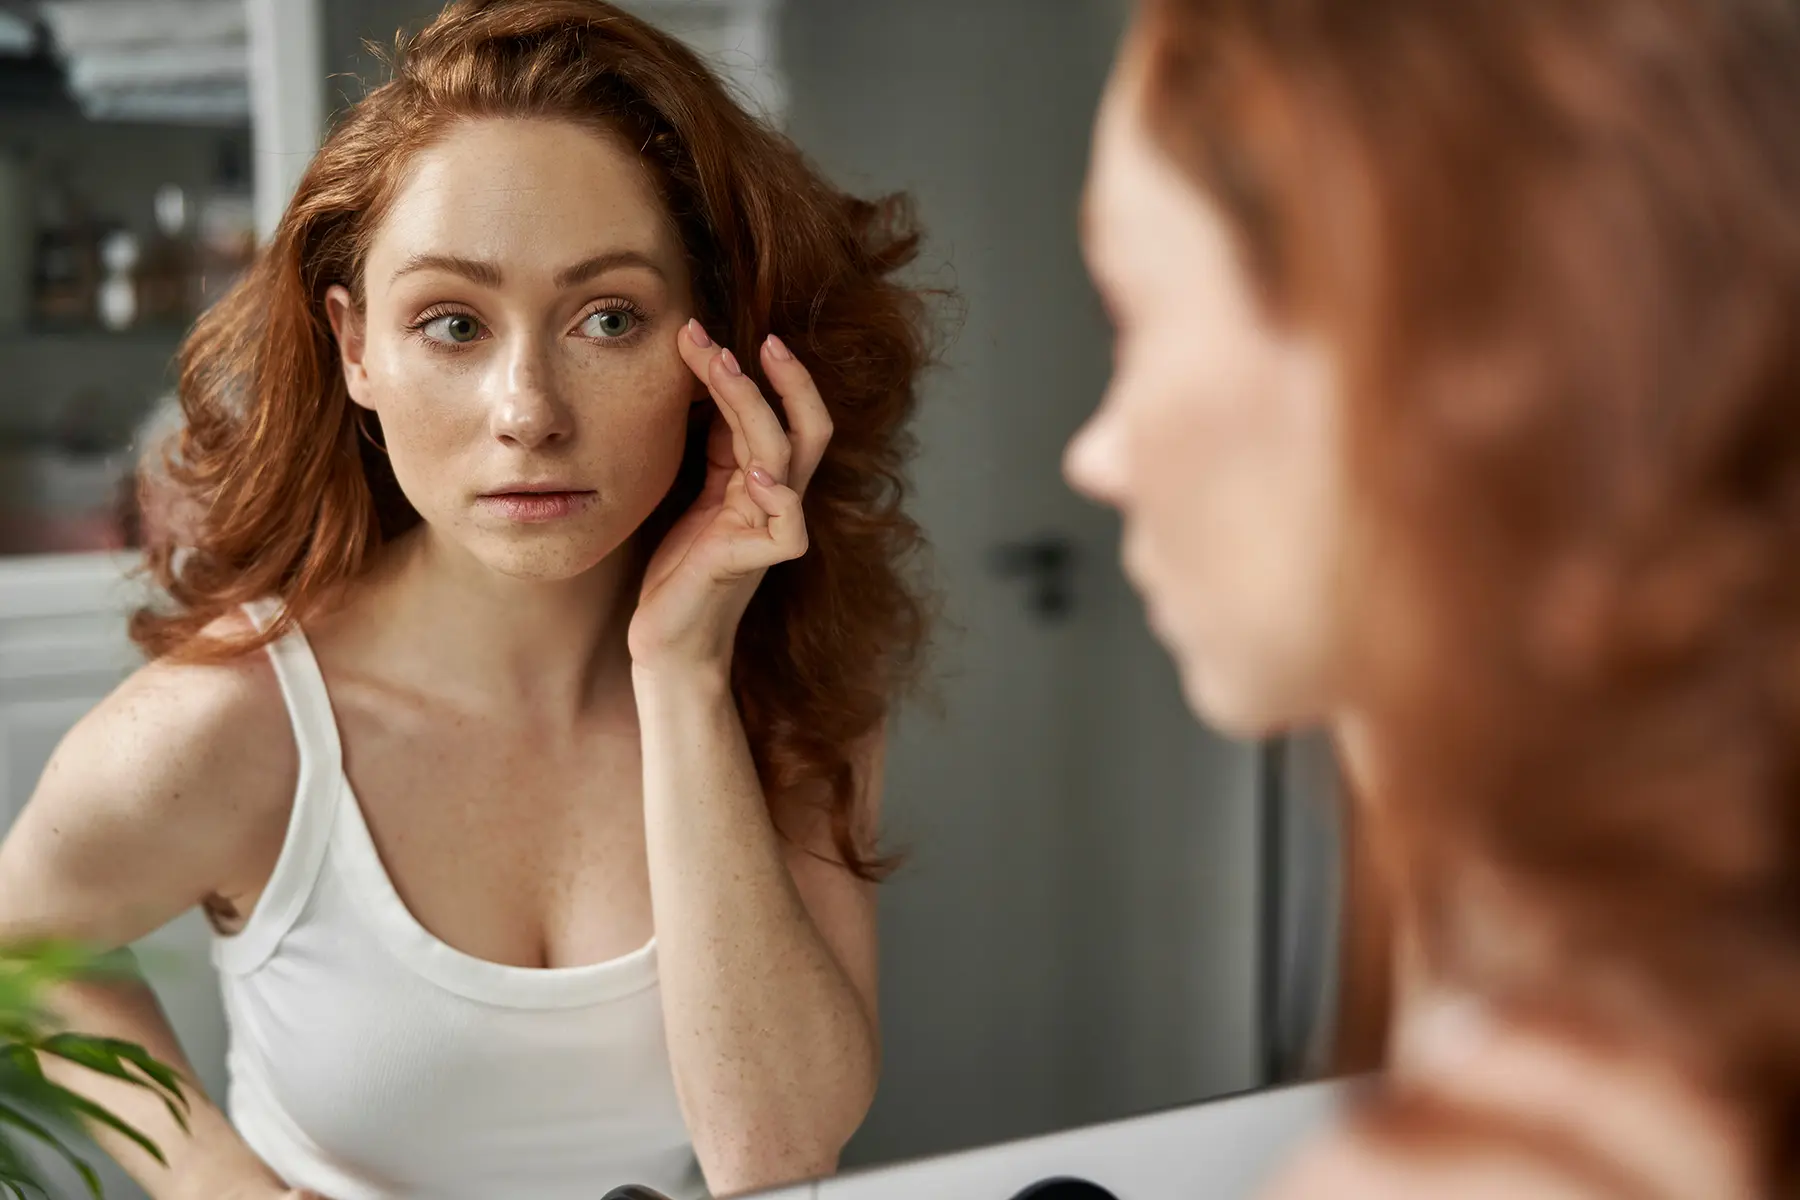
805,1142
842,1093
855,1093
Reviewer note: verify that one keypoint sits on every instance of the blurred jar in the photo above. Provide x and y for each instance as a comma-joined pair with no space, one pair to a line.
66,265
168,284
227,226
118,292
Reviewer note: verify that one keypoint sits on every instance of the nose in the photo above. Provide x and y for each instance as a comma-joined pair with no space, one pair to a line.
1095,462
528,409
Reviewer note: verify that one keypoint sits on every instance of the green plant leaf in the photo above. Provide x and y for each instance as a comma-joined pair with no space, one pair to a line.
115,1058
162,1075
12,1116
17,1178
22,1059
34,1104
54,1098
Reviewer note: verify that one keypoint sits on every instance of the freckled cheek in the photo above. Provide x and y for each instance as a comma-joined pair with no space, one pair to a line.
430,413
1191,453
639,406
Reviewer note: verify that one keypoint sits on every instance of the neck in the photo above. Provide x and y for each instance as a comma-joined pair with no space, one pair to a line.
1490,929
547,649
1379,931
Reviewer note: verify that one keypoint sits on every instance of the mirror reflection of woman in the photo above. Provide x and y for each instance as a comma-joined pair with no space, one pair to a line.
516,714
1457,407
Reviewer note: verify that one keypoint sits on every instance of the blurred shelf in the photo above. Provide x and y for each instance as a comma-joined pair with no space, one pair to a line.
93,335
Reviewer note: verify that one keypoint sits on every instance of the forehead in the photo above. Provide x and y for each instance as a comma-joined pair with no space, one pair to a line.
525,190
1130,186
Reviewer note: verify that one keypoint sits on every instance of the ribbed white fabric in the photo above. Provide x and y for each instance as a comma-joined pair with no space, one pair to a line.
370,1061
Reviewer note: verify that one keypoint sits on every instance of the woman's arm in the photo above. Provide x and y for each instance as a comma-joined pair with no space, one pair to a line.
161,797
767,955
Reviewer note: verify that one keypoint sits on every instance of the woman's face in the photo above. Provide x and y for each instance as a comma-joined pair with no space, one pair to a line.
517,340
1216,441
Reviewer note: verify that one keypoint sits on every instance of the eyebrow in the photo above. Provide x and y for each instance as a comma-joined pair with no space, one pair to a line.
600,264
487,274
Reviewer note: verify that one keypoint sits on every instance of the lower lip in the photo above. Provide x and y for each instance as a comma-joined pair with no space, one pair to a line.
535,508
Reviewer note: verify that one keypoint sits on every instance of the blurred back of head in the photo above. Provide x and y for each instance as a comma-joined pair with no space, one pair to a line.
1555,248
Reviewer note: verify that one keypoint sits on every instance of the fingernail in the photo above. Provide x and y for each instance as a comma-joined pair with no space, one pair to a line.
698,333
779,348
761,476
731,362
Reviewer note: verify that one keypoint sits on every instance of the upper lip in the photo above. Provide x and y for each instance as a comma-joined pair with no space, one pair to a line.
530,488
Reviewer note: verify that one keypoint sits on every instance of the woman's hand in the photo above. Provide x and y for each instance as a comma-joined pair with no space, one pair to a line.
748,515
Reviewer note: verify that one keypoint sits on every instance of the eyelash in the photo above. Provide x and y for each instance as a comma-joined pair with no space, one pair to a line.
438,312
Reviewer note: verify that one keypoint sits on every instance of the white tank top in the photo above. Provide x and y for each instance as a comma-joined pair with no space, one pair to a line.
369,1060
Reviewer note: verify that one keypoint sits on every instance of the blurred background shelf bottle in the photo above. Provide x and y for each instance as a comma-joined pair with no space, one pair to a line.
125,209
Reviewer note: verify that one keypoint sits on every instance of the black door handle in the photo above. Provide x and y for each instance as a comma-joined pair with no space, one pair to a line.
1059,1188
1046,565
1065,1187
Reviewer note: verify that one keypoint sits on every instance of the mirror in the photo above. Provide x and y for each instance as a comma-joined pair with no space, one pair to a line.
1105,910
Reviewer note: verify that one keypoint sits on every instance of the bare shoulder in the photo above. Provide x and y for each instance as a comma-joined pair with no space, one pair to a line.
181,737
1523,1113
169,791
1346,1166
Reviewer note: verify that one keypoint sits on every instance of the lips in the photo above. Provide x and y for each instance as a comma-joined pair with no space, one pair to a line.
537,489
533,504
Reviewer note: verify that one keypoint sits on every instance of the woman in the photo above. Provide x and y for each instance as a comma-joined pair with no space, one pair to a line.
539,841
1457,406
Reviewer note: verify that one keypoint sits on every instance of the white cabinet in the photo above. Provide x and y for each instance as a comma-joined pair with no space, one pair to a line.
63,647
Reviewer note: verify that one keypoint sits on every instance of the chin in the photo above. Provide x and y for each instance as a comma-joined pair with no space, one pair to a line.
1238,700
1226,710
543,559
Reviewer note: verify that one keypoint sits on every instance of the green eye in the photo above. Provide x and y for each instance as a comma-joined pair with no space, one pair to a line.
457,328
609,323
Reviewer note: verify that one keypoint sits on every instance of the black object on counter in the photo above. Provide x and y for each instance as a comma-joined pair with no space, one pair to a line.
1065,1188
1060,1188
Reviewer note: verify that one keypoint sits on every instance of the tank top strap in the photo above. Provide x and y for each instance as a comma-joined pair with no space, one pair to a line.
318,794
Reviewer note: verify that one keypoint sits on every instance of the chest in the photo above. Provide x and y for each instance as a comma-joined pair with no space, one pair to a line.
509,843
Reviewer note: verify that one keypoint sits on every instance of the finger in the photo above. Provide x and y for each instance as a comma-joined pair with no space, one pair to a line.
721,463
766,441
786,538
699,352
809,420
757,433
724,485
739,500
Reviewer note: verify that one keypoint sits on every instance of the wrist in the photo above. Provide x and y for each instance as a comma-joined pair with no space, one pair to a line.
263,1187
709,677
256,1185
228,1171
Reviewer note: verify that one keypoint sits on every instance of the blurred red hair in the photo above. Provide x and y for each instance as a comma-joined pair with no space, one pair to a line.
295,503
1556,248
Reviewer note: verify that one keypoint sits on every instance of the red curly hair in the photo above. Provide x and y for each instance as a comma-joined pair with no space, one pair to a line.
295,504
1556,248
